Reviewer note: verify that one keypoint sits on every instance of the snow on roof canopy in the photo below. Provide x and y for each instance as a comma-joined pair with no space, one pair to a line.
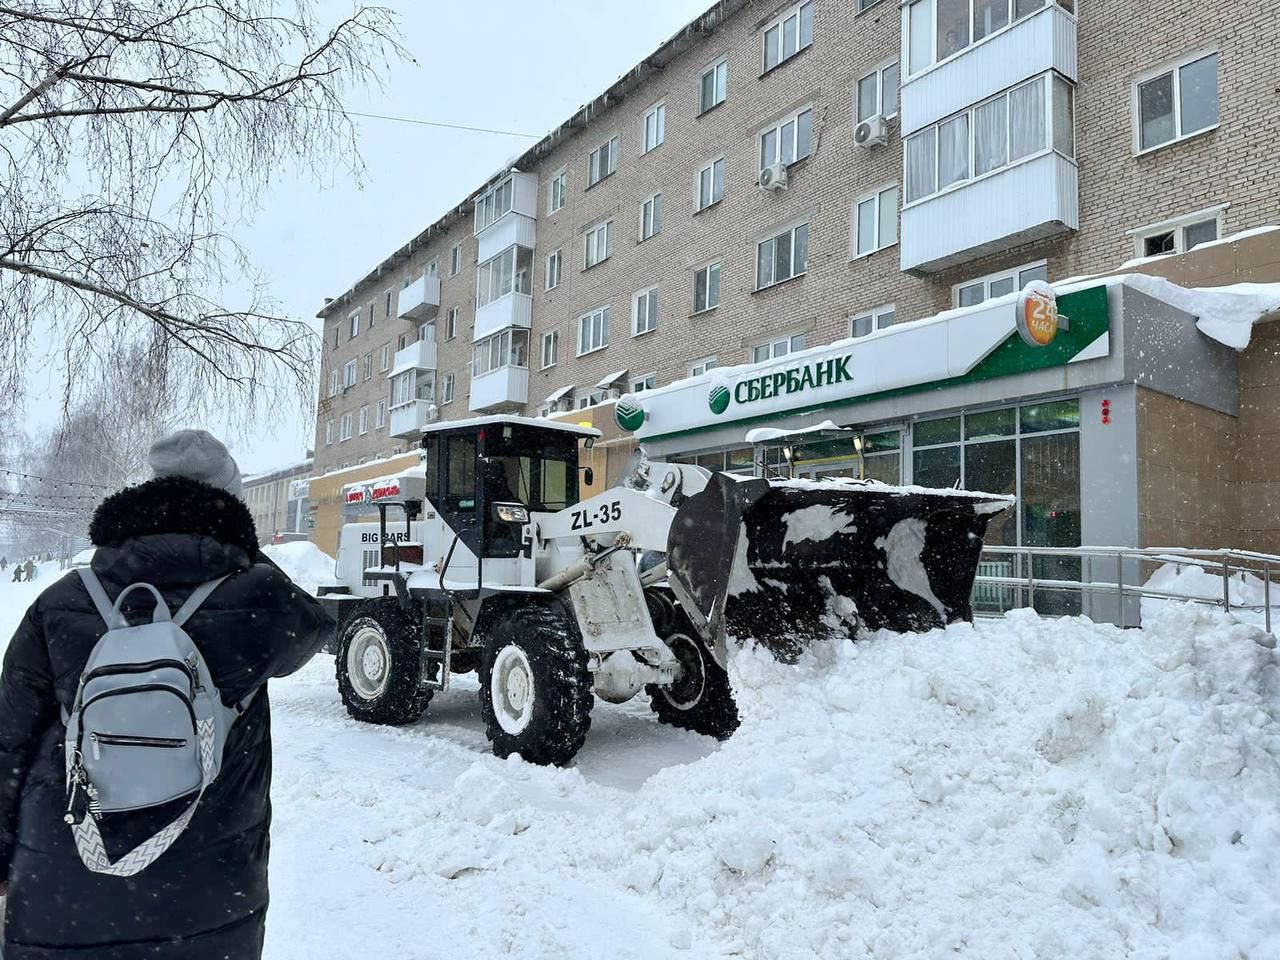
766,434
607,382
537,423
558,394
1226,314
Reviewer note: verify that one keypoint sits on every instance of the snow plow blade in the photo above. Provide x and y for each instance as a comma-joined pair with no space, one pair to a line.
779,561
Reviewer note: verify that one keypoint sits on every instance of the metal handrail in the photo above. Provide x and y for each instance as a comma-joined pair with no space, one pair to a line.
1219,562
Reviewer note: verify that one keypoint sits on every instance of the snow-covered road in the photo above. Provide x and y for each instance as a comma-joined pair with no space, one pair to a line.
1012,790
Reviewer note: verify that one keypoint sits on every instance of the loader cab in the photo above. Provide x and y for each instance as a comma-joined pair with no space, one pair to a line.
486,475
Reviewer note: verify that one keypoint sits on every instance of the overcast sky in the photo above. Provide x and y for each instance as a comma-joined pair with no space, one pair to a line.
501,64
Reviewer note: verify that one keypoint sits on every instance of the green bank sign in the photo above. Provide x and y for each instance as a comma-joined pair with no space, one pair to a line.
781,383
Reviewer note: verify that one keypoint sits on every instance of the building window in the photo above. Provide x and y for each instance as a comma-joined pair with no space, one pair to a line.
788,35
714,86
508,272
598,243
336,332
783,256
372,312
777,348
1178,102
494,203
386,357
446,389
451,324
996,133
593,331
346,427
644,312
328,432
455,259
699,367
788,141
972,292
333,383
878,93
555,263
648,382
368,365
875,222
354,318
557,191
938,29
386,304
650,217
507,349
711,183
364,420
1180,234
603,161
380,416
550,348
872,320
349,374
706,288
655,126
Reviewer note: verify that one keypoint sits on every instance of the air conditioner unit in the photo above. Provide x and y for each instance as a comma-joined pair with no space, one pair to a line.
872,132
773,177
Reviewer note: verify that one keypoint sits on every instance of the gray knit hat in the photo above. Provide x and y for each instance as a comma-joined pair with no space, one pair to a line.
196,454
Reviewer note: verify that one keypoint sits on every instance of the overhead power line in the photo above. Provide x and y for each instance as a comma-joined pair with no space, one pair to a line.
440,123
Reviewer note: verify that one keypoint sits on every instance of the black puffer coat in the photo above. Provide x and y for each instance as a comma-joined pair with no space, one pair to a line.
206,897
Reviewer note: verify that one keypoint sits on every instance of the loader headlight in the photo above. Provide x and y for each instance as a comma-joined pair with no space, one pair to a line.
511,512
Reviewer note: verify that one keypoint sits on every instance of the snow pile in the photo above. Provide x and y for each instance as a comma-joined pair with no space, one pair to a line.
1248,592
306,564
1226,314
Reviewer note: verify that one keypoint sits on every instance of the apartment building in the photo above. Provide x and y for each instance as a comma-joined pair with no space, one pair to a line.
278,500
779,177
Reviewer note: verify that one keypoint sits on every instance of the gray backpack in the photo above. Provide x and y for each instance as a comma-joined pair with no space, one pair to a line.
148,726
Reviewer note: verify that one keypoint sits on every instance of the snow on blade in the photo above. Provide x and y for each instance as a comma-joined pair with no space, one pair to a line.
741,579
818,522
306,564
902,547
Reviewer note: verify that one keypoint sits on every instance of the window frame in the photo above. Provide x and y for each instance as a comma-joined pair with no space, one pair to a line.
552,338
490,198
706,363
386,304
710,169
778,23
775,128
353,321
366,367
772,237
721,62
455,259
876,317
344,428
878,72
718,264
451,323
604,313
380,415
612,145
593,231
1178,227
659,112
350,374
652,300
557,188
329,432
446,388
773,341
986,280
641,384
855,219
934,60
654,217
558,256
334,382
363,427
386,357
1173,67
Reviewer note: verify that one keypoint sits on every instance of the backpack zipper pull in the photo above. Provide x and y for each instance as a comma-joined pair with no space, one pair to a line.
97,747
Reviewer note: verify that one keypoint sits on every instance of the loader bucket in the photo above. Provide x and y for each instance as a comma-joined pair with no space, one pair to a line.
787,562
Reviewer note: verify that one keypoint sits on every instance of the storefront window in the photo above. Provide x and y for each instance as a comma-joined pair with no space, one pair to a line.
992,423
938,467
1060,415
992,467
929,432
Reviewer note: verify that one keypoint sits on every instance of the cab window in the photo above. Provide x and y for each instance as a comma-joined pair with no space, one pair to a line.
460,490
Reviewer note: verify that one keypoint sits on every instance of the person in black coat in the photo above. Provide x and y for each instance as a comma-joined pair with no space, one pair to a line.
205,898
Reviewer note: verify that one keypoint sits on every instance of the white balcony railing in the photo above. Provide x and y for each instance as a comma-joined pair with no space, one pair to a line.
513,310
1031,200
419,355
409,418
420,300
498,388
1045,40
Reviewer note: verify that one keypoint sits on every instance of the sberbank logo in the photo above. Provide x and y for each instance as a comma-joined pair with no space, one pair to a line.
718,397
767,386
628,413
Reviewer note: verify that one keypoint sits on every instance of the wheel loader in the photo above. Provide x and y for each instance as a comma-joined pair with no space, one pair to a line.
484,559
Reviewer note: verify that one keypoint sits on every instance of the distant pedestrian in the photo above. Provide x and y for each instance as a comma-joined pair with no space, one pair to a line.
31,571
205,896
17,573
4,562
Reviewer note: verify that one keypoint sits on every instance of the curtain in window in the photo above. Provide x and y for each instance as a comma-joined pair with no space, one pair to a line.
921,35
990,136
921,155
1026,120
1063,118
953,151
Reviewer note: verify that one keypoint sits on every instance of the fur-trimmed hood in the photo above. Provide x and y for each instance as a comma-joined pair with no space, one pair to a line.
174,505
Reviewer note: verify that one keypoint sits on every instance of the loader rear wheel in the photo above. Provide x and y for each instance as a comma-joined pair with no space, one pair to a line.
701,699
535,688
379,665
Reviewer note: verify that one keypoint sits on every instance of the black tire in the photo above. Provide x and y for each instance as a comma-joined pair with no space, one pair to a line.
540,643
701,700
399,698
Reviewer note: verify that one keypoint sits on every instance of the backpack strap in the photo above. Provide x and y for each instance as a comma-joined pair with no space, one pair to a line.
106,609
198,596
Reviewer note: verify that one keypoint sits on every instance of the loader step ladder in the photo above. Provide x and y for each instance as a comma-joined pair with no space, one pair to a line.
437,643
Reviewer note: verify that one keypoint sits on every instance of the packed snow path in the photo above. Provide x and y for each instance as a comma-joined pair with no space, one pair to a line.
1018,789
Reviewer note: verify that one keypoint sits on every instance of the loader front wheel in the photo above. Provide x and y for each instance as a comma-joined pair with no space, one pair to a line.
535,688
379,666
701,698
